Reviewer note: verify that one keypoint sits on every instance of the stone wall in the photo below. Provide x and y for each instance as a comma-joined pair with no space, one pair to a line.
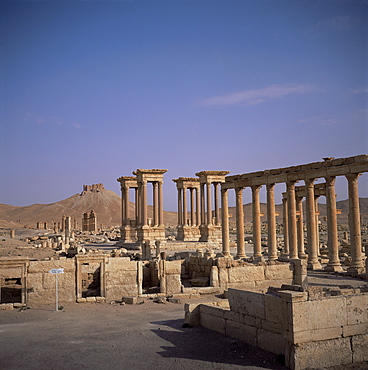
227,273
85,278
309,328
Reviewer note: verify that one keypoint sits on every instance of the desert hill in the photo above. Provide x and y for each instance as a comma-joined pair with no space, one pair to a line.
107,206
105,203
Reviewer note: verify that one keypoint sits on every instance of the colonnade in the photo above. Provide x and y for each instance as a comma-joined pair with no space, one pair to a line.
329,169
141,228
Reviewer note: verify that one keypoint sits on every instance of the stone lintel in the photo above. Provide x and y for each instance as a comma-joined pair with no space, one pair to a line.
212,176
333,167
187,182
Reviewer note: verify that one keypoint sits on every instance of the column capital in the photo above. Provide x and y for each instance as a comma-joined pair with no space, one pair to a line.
352,176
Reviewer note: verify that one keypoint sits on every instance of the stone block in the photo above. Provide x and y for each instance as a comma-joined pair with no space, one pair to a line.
223,278
190,307
120,263
212,322
246,273
313,335
34,281
6,306
360,348
357,309
173,267
242,332
248,303
351,330
173,284
275,309
233,316
245,285
121,278
321,314
129,300
319,354
279,272
91,299
212,310
271,342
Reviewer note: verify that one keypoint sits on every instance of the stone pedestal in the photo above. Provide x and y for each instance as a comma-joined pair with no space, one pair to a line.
210,233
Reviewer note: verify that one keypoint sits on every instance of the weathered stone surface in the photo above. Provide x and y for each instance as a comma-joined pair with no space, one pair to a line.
240,331
212,310
360,348
272,342
173,284
212,322
278,272
322,314
357,309
249,303
246,273
320,354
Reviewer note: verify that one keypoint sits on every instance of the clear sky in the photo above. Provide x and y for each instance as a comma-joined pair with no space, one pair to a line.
92,90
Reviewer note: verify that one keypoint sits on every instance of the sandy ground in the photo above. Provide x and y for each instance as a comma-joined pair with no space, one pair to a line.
104,336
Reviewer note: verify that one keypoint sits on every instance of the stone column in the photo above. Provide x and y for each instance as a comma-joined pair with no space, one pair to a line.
217,208
209,204
316,197
160,204
67,229
333,242
136,197
239,223
293,241
313,262
198,208
126,205
300,227
271,220
256,216
225,223
203,206
192,216
285,220
180,208
356,266
156,205
185,210
144,202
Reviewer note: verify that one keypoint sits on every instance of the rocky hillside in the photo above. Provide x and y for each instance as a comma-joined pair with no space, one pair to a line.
105,203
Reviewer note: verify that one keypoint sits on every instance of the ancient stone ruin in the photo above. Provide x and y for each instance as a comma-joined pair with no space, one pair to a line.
270,303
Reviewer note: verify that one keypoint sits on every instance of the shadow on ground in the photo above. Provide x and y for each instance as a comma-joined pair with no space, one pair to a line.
206,345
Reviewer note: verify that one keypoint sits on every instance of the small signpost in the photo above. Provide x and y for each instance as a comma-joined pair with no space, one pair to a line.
56,272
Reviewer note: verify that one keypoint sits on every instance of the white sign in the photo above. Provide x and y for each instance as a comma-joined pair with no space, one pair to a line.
56,271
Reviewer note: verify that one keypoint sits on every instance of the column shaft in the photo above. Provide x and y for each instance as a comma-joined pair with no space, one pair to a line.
225,223
155,203
239,223
198,208
332,235
144,202
192,215
356,265
313,262
285,222
180,208
209,204
217,207
256,216
161,221
300,227
185,210
293,241
271,220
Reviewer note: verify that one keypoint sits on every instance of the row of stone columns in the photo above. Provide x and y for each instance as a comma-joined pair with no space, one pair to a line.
293,222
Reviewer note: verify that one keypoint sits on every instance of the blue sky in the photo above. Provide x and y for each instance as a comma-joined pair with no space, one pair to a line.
92,90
